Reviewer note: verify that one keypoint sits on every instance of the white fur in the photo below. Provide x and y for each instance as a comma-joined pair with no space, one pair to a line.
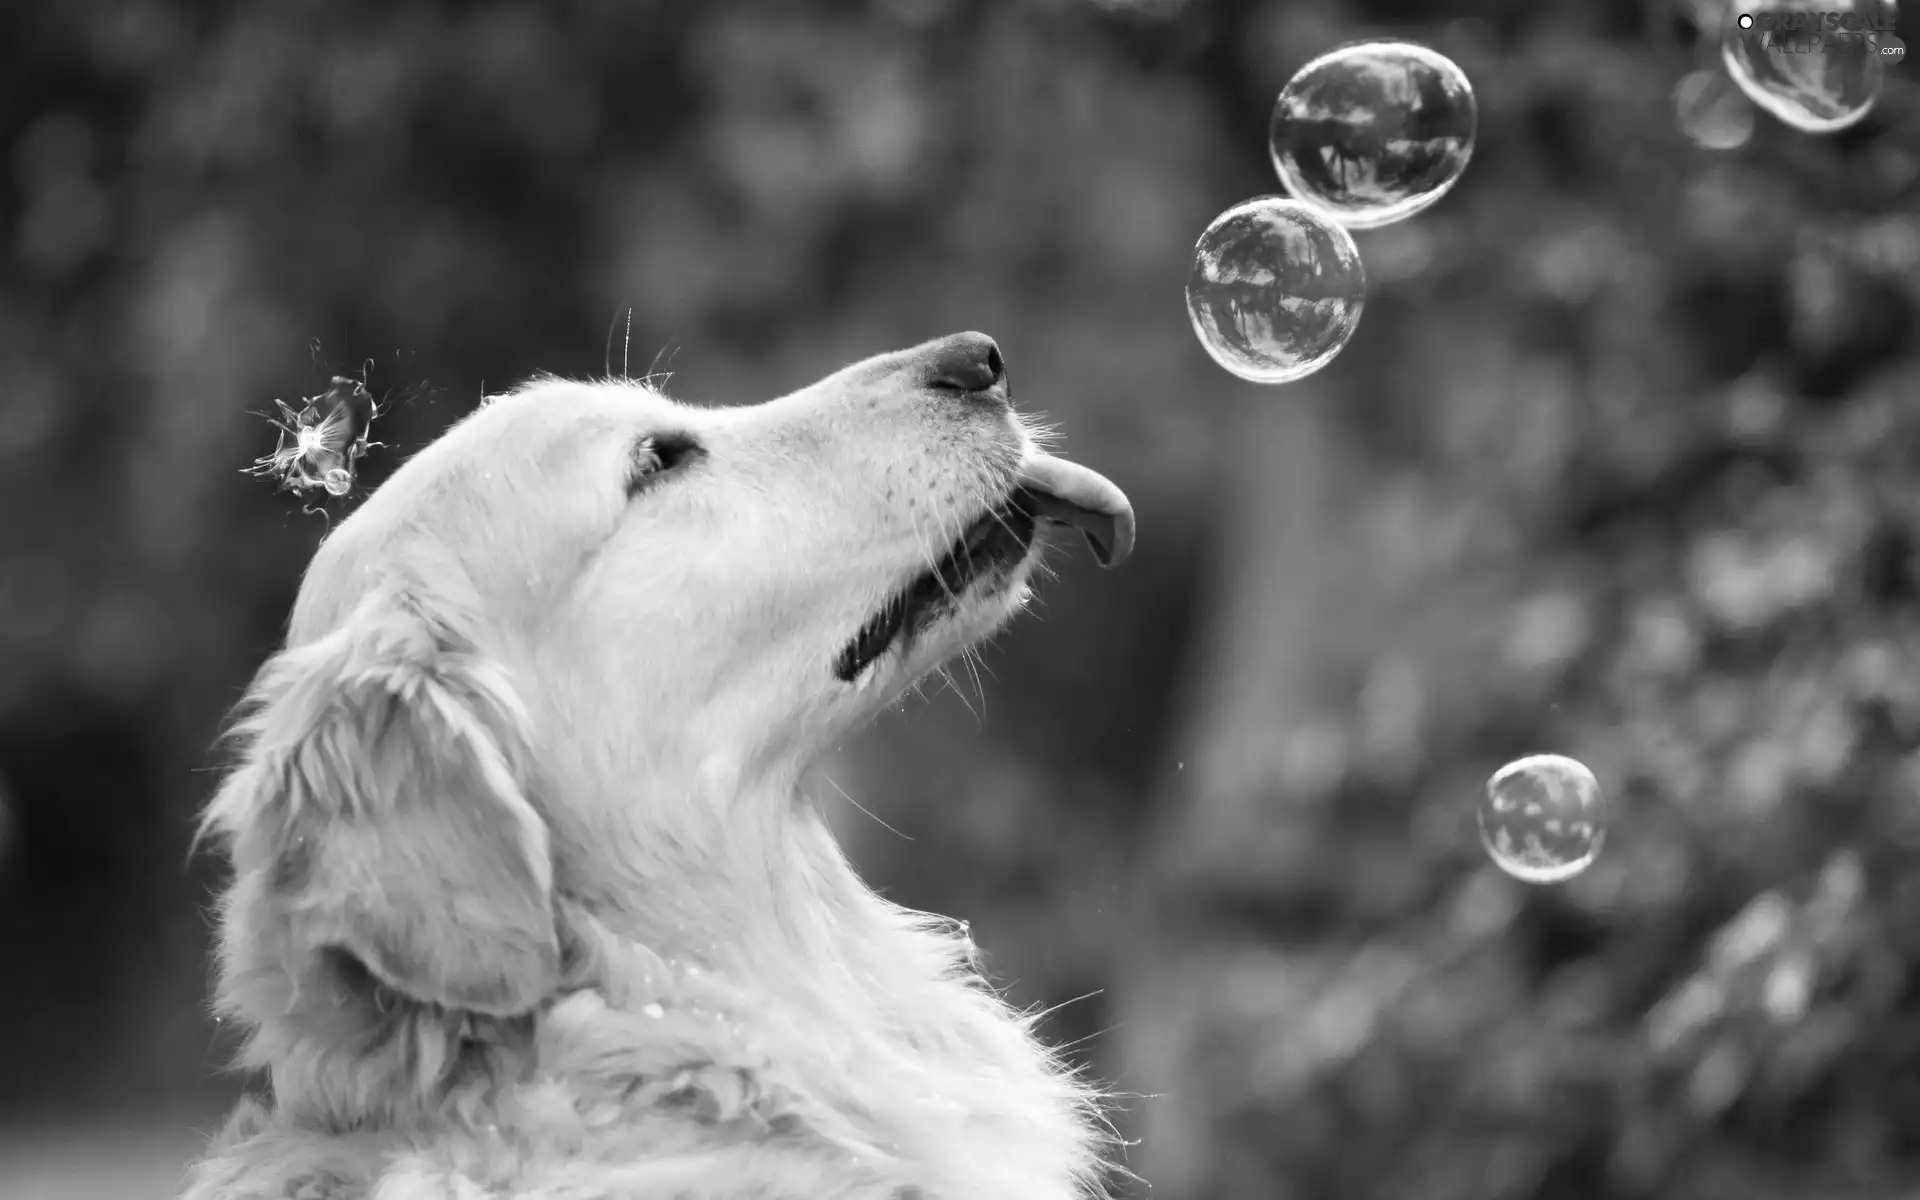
533,753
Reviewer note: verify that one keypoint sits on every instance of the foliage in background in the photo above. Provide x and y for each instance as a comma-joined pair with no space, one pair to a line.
1622,464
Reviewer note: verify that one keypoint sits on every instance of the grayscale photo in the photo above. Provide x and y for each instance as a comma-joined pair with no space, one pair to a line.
959,600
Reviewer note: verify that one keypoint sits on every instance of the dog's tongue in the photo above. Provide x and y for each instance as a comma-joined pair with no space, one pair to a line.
1070,494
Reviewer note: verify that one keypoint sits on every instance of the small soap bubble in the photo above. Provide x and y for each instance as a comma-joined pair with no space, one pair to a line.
1276,289
1712,111
1373,132
338,481
1818,68
1543,818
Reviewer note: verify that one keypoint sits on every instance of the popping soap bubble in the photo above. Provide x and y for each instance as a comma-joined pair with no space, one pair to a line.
1543,818
1373,132
1276,289
320,445
1819,79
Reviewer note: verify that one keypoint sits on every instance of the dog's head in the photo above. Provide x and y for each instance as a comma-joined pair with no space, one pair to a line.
585,607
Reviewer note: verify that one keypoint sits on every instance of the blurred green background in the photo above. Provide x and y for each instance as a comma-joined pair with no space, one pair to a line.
1623,463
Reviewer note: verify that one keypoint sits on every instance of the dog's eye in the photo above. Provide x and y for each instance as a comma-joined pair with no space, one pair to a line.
657,456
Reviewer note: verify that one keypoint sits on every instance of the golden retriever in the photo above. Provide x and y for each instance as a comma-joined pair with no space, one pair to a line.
526,901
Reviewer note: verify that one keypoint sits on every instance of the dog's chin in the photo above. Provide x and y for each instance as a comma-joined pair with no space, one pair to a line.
966,596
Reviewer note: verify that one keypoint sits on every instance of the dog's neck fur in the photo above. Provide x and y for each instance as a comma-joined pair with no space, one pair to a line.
770,984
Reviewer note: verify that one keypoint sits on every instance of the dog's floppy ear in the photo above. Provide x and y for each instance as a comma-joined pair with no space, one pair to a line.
380,810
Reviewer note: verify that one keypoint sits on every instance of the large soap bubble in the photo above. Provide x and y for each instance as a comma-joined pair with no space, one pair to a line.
1373,132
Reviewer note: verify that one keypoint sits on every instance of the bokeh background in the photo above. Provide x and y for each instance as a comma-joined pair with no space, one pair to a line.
1623,463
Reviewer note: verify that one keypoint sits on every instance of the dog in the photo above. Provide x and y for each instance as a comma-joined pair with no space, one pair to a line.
526,900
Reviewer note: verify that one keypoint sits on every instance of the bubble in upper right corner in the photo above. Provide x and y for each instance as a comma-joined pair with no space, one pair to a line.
1373,132
1817,71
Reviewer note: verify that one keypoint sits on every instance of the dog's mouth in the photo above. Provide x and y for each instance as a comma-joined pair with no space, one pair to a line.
989,550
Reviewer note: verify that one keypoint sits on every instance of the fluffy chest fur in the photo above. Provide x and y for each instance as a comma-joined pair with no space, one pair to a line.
892,1074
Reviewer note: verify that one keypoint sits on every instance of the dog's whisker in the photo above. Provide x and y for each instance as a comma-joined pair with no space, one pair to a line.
653,368
946,673
1000,519
1045,434
931,553
970,658
834,784
1076,1043
1043,1014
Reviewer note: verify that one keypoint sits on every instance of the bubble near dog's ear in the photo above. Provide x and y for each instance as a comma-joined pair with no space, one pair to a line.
381,804
319,445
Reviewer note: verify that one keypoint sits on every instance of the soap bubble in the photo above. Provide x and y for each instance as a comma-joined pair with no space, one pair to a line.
1543,818
1817,79
1712,111
1276,289
320,444
1373,132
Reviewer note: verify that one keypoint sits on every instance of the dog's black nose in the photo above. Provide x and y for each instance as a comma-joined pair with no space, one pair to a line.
966,362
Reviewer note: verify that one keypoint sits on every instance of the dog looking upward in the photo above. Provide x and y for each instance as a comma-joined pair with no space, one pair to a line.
525,899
